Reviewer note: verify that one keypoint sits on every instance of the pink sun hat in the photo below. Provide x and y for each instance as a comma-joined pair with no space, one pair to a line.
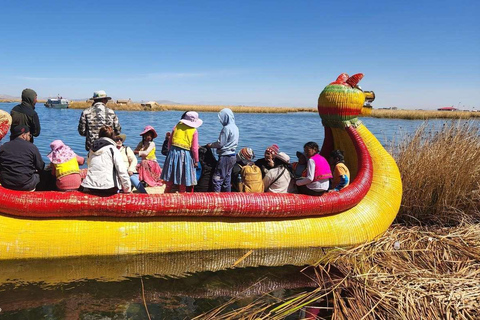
60,152
149,128
191,119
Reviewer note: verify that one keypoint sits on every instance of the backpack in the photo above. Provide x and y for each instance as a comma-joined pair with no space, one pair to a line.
251,179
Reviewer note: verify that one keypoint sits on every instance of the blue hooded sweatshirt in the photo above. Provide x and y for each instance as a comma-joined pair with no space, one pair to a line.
228,139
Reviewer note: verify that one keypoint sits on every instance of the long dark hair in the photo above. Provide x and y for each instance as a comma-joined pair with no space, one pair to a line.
337,156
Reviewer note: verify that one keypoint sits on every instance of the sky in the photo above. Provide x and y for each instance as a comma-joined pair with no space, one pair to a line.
413,54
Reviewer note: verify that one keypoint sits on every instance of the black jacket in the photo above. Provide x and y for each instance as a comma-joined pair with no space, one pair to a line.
19,161
25,114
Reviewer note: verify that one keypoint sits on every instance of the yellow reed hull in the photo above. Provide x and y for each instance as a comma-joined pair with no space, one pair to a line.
52,238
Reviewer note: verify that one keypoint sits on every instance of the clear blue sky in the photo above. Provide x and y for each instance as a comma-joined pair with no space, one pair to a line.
414,54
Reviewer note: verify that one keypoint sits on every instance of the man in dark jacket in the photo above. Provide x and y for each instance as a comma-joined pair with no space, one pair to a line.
20,161
25,114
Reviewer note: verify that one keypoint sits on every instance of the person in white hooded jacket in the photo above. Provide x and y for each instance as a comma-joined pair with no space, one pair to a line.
107,173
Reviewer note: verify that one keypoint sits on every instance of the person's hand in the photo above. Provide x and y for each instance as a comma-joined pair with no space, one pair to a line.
167,135
135,151
209,145
271,163
130,173
195,164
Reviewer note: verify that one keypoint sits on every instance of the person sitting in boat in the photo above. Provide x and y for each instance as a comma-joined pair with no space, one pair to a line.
318,176
244,157
268,161
341,174
65,166
300,167
280,179
130,161
98,115
20,161
107,173
182,158
149,170
226,145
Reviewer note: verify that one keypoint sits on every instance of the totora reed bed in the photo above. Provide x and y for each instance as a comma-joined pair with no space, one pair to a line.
376,113
426,266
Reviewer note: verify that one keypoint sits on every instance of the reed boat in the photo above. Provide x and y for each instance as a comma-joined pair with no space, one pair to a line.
37,225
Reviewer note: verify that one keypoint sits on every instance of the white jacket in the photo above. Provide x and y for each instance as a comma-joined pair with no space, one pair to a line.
106,168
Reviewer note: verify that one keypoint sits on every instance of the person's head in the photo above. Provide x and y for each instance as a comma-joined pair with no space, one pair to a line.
226,116
100,96
336,156
191,119
245,155
120,139
148,133
310,149
22,132
271,152
302,159
29,96
106,132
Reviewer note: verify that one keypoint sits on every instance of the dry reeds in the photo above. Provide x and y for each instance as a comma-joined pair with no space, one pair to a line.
425,271
440,172
423,114
185,107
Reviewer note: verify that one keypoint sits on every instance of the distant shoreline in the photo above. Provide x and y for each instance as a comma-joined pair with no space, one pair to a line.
376,113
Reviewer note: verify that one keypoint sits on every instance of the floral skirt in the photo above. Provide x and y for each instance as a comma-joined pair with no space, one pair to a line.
179,168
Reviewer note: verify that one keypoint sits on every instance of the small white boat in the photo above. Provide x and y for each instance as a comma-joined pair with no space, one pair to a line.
58,103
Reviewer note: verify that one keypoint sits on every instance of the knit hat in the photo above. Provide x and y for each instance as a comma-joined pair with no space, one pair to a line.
282,156
60,152
273,149
246,154
149,128
191,119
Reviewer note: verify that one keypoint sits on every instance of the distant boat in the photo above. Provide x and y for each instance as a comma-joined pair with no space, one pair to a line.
58,103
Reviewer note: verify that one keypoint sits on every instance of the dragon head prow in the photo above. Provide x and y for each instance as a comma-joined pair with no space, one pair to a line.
342,100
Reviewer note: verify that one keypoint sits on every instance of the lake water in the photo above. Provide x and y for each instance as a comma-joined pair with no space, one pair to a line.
173,286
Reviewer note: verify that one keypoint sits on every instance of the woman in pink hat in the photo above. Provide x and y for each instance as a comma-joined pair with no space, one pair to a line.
182,158
65,166
148,169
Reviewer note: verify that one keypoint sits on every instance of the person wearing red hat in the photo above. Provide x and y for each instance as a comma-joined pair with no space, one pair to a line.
148,169
268,162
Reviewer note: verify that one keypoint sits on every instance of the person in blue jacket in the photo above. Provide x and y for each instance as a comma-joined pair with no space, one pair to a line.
226,146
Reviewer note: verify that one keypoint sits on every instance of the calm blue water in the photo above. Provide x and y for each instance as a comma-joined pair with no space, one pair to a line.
257,131
176,286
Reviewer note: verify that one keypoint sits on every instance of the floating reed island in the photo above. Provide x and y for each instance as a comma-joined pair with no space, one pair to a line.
425,266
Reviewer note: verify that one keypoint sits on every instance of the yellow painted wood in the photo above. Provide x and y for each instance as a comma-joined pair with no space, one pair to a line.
51,238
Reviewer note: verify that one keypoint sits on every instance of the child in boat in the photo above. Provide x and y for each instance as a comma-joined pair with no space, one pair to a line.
268,161
65,166
300,167
182,158
341,174
148,169
318,176
130,161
